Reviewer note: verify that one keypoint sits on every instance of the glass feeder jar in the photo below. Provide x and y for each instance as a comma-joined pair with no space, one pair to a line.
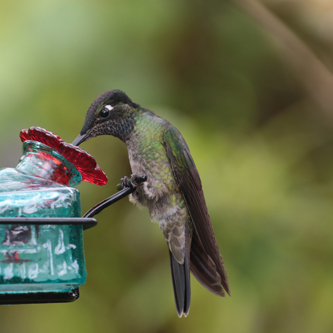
41,258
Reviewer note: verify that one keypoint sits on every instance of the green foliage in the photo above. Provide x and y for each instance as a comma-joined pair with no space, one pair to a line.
263,151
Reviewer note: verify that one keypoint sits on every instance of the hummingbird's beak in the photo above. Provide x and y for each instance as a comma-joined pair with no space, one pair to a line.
80,138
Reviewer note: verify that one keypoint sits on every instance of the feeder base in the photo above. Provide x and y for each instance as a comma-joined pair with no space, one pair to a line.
39,297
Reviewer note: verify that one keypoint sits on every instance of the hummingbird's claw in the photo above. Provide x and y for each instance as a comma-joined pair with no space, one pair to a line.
134,182
137,180
124,182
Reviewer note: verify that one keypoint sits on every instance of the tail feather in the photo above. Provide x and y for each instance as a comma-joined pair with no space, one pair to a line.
180,274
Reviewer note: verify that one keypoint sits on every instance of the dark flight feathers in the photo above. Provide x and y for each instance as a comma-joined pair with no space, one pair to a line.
205,260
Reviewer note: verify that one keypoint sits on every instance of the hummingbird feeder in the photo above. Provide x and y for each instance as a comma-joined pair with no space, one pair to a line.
41,228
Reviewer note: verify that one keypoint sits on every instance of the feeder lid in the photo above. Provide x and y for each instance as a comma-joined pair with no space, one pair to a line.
82,161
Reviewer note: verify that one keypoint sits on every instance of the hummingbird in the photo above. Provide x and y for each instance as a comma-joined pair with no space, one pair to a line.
172,192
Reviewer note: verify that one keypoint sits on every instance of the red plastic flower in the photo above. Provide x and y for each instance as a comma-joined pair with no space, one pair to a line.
82,161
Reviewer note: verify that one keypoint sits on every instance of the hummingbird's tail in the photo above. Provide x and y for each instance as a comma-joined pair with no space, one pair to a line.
180,274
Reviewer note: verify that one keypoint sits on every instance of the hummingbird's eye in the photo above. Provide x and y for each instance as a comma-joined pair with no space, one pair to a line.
104,113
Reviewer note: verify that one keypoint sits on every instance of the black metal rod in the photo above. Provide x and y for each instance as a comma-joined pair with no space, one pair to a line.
130,186
85,222
109,201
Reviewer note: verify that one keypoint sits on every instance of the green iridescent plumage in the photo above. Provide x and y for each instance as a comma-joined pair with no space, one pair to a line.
172,193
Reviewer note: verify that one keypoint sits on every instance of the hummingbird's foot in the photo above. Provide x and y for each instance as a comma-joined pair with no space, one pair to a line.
133,182
124,182
138,180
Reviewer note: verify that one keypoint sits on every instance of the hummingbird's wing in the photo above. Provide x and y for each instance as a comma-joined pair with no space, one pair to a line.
205,260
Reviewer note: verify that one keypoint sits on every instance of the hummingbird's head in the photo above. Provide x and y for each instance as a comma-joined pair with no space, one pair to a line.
112,113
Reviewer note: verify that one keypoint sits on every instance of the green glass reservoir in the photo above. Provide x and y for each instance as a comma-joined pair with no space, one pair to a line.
40,258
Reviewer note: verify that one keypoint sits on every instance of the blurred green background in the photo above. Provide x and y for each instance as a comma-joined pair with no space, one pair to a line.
262,144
